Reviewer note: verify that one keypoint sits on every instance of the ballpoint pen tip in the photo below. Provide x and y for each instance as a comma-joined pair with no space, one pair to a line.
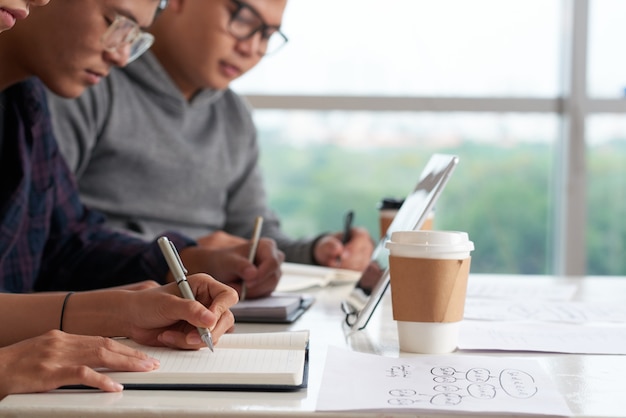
208,341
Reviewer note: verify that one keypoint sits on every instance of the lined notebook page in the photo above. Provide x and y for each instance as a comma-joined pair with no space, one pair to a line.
278,340
241,363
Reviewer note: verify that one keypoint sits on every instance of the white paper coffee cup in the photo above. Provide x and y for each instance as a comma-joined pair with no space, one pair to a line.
429,272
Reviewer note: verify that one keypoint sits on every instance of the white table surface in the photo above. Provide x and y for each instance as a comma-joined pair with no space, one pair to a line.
593,385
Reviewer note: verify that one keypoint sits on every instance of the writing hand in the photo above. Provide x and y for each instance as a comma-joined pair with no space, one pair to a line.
231,265
161,317
354,255
220,240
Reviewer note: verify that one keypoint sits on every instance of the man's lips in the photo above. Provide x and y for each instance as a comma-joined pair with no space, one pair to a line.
94,77
230,70
16,13
8,17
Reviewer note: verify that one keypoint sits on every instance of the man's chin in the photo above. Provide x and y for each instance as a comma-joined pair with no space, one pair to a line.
68,90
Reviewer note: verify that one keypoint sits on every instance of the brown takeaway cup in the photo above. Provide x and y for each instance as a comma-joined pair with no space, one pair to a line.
429,272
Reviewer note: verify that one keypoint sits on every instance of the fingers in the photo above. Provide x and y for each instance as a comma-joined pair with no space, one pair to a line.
113,355
261,277
328,251
354,255
210,310
57,359
223,298
359,250
84,375
268,260
189,338
231,265
97,352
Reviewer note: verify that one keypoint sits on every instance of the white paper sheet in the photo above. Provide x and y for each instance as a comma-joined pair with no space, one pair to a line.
297,277
552,311
546,337
355,381
525,290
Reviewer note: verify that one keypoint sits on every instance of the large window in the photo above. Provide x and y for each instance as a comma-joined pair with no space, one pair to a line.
607,62
415,48
350,110
606,215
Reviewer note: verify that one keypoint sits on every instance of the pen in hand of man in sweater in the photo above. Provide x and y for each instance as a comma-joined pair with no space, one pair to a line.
234,267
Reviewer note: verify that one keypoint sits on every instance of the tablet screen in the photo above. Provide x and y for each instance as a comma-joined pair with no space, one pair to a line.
371,287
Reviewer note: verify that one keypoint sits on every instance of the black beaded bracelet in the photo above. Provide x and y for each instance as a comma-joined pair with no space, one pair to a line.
63,309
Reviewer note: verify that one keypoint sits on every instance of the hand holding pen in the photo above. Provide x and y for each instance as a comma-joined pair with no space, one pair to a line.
231,265
180,275
347,233
351,248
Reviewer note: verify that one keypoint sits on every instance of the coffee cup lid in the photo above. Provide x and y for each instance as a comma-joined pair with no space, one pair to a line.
432,241
390,203
434,248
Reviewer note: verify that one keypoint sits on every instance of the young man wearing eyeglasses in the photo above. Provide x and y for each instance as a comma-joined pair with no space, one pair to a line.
137,140
48,239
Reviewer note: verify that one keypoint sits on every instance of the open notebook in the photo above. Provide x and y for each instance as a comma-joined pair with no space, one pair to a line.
248,361
297,277
372,284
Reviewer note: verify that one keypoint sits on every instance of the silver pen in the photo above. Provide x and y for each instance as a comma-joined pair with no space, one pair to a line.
180,275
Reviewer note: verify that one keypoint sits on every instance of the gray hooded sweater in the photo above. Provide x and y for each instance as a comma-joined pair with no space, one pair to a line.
153,161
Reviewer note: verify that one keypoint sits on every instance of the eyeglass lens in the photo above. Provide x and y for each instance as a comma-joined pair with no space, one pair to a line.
245,23
123,32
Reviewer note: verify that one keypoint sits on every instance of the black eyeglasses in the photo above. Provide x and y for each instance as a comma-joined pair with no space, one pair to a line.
245,22
162,5
123,32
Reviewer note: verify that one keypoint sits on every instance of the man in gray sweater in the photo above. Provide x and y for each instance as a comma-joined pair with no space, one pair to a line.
165,144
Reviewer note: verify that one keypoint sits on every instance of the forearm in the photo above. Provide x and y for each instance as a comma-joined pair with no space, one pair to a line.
29,315
86,313
97,313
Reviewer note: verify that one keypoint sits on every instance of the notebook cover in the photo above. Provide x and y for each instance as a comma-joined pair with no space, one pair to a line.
305,304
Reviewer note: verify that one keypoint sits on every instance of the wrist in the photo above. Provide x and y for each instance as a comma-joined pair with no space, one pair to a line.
314,247
102,313
63,306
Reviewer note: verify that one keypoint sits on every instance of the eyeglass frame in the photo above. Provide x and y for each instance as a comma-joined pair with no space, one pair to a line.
263,28
133,37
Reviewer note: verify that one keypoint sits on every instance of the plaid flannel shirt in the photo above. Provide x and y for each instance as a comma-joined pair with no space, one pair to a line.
48,239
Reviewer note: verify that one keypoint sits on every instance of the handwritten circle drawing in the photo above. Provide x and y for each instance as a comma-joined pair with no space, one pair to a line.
518,384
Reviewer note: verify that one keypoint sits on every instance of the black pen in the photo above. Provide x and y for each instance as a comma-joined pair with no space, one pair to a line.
347,227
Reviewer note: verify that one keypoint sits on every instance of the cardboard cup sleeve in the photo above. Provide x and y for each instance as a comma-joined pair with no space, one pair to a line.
428,290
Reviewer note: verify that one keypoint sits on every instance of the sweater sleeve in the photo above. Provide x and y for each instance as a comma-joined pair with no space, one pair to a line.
246,194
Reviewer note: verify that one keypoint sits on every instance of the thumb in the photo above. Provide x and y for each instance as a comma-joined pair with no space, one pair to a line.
328,250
